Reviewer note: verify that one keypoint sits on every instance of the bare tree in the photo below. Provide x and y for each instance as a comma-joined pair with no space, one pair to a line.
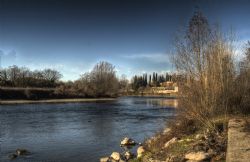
104,80
51,75
100,82
242,92
204,57
123,84
3,77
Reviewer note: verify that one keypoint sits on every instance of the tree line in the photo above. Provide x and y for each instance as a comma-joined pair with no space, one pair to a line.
15,76
102,81
151,80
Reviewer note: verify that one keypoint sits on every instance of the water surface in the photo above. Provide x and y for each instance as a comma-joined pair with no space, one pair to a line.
79,132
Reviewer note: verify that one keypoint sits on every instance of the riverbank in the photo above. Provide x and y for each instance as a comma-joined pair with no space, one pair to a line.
154,95
72,100
201,145
176,144
180,142
9,102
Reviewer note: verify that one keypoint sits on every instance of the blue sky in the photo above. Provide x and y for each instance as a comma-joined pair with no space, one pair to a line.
135,35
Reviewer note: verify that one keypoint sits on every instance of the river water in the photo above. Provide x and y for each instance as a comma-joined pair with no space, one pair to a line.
79,132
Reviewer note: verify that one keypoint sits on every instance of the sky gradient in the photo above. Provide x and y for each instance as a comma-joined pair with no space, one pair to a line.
134,35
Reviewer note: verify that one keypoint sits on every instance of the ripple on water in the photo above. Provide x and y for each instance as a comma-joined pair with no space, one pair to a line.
79,131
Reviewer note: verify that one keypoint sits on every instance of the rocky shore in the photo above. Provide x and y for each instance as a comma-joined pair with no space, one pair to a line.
126,155
167,146
199,147
202,146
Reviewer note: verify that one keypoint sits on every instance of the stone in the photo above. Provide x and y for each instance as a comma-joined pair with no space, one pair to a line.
128,155
12,156
188,140
112,160
166,131
198,136
116,156
127,141
211,152
149,141
104,159
21,152
198,156
140,151
170,142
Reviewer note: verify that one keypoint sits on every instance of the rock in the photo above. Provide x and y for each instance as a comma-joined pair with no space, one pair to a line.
128,155
140,151
198,136
166,131
170,142
198,156
104,159
211,152
149,141
112,160
116,156
12,156
127,141
22,152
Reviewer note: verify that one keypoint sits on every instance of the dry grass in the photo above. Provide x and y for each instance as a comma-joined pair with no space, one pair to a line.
185,130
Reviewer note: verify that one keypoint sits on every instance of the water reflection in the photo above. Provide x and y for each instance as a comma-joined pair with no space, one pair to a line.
162,102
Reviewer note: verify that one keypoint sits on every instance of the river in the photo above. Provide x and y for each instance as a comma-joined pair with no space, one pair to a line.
79,132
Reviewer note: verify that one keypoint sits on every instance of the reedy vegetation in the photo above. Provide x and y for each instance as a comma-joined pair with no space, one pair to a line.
205,56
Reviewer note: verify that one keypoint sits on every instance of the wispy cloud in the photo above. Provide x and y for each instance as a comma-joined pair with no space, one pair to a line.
8,55
154,57
40,66
70,72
